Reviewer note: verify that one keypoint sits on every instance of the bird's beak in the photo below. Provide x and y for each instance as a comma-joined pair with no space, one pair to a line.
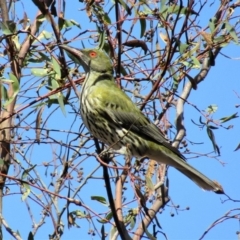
74,54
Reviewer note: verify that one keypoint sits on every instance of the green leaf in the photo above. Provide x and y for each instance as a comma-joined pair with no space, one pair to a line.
61,103
108,217
123,70
212,108
1,162
211,24
4,93
113,233
15,85
163,7
44,56
43,35
40,72
149,184
106,19
30,236
5,29
125,6
79,214
100,199
212,138
68,23
212,127
15,39
222,41
175,78
26,172
237,148
143,26
103,233
58,96
196,63
27,191
12,26
149,235
225,119
101,39
182,47
56,68
232,32
75,23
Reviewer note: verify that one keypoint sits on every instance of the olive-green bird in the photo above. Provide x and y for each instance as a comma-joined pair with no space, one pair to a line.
111,116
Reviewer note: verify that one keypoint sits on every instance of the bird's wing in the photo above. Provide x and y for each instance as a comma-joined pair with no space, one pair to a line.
118,107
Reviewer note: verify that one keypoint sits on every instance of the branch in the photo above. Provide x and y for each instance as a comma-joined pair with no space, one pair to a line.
8,229
158,204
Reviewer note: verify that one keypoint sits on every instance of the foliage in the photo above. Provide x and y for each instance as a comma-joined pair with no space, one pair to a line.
161,51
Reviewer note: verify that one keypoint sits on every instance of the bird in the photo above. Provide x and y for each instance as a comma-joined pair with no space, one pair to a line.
111,116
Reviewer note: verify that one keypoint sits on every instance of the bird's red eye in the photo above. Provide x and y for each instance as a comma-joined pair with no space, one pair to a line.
92,54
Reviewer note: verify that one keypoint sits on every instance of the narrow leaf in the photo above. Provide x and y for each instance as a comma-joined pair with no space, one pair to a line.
225,119
125,6
26,171
212,138
100,199
56,68
27,191
143,26
5,29
103,233
30,236
232,32
237,148
40,72
15,86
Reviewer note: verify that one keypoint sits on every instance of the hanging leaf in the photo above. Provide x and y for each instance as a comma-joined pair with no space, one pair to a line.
232,32
149,235
56,68
237,148
182,47
4,93
30,236
15,86
193,82
126,7
212,138
59,96
5,29
143,25
27,171
211,24
103,233
102,36
106,19
27,191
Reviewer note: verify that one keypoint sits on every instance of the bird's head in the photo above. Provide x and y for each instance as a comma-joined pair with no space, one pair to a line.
90,59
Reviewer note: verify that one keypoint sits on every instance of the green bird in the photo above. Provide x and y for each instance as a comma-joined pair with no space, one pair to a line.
111,116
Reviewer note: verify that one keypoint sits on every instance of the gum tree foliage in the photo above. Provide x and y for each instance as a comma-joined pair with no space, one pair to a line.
50,165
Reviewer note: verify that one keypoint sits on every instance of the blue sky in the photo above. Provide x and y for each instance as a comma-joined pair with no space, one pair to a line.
205,207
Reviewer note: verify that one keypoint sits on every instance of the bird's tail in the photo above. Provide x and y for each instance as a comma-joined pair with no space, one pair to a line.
177,161
200,179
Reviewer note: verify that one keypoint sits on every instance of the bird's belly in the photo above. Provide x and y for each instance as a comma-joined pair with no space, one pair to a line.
117,138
